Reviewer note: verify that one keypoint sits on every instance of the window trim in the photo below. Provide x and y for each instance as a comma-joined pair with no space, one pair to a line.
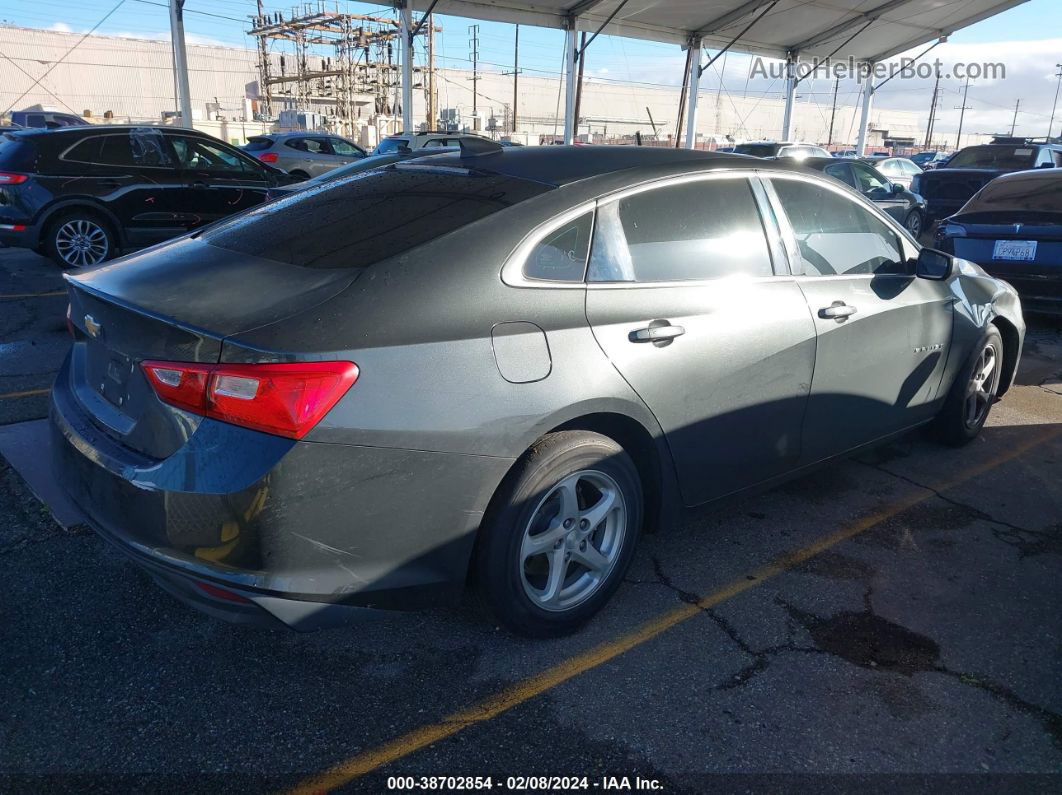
909,246
169,146
512,272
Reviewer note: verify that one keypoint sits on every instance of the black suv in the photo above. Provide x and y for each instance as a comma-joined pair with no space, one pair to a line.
950,185
82,194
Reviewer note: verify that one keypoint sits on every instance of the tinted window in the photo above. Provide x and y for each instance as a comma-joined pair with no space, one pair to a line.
257,144
842,172
561,255
354,222
196,154
144,148
870,182
704,229
391,145
1028,199
1012,158
756,150
835,235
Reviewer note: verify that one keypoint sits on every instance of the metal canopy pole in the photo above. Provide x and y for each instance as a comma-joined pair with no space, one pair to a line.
864,116
790,96
569,83
406,33
180,61
691,99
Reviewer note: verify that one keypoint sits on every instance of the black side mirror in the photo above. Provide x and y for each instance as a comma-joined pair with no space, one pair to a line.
897,189
933,264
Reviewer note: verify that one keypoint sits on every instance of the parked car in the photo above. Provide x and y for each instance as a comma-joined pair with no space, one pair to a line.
906,207
948,187
82,194
845,153
930,160
899,170
786,149
39,118
303,154
1012,228
494,388
357,167
413,141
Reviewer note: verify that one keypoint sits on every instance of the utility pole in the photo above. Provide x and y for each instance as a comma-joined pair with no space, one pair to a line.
180,62
962,112
833,112
579,79
933,112
1014,123
265,90
473,54
1054,107
516,74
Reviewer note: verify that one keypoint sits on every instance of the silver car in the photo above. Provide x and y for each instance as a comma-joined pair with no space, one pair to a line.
304,154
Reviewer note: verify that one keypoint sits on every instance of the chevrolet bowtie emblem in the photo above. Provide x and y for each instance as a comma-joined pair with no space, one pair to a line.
93,328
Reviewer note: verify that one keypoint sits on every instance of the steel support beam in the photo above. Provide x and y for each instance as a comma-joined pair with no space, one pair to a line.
731,17
790,96
405,28
180,62
691,98
864,115
870,15
569,83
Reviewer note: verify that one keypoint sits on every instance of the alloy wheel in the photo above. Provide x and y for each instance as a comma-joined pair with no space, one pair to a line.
914,225
982,387
573,540
81,242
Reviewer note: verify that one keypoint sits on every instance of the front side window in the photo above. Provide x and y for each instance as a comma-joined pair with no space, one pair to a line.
870,182
703,229
195,154
341,147
841,172
561,255
835,235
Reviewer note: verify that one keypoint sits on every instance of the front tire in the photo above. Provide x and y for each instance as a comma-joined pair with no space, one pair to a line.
970,399
560,534
913,223
79,238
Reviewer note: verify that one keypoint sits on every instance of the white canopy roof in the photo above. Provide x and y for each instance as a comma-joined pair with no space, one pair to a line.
878,29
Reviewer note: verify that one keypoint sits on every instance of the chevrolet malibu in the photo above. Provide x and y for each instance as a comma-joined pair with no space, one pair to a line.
498,368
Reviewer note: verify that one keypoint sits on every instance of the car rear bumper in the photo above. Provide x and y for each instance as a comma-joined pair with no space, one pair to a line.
309,532
19,235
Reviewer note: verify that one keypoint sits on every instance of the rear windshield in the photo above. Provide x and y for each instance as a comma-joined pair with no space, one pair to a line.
1029,199
1008,158
16,154
257,144
756,150
354,222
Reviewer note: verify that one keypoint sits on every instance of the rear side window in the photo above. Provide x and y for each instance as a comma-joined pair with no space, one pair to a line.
561,255
257,144
392,145
704,229
354,222
145,148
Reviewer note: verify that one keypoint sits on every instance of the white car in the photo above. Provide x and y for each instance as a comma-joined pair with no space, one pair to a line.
421,140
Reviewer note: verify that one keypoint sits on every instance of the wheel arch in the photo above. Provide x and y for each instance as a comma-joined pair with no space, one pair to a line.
77,203
1011,343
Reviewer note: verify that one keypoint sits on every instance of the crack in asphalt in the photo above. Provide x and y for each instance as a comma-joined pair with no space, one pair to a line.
864,639
1027,541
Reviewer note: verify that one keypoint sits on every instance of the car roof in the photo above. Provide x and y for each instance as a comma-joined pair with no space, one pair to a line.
1032,175
562,165
103,129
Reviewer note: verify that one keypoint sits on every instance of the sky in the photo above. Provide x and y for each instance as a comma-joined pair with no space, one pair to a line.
1027,40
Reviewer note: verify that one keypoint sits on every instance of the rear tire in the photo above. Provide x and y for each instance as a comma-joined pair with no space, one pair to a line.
560,533
971,396
79,238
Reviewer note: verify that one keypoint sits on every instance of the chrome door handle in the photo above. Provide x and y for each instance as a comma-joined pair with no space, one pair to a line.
838,310
661,333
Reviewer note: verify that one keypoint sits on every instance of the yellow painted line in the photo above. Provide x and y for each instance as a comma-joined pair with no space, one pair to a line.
13,296
523,691
26,393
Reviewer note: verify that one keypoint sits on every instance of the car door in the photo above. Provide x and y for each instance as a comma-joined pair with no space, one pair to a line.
882,334
879,190
683,298
218,179
134,173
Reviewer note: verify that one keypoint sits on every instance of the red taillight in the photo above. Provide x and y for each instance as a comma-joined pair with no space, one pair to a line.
12,179
283,399
268,157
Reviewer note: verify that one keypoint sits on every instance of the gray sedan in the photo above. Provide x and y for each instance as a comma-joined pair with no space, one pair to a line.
500,362
302,154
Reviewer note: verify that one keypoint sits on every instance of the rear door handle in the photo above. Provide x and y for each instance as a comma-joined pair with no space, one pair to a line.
838,310
657,331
